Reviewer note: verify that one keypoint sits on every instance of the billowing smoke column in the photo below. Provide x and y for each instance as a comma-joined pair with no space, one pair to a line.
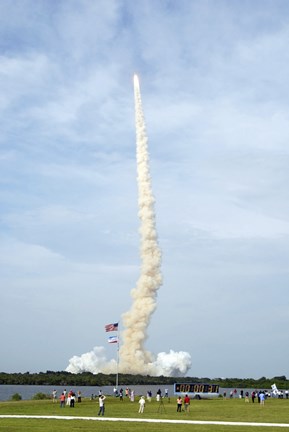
133,358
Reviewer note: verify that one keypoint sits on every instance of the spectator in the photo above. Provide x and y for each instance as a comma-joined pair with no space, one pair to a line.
142,403
62,400
72,399
54,396
179,404
262,398
121,394
79,396
187,403
101,405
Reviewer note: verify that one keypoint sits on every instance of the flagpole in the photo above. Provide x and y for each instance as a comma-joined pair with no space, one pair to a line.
117,360
114,339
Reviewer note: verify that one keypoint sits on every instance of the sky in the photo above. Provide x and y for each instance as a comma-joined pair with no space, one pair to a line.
214,83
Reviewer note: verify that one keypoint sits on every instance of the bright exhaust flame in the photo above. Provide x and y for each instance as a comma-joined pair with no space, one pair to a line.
136,82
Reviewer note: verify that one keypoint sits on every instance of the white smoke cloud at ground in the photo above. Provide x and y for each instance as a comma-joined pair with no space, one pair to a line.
167,364
133,357
93,361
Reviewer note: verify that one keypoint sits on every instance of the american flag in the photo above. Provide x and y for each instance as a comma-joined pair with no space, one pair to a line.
111,327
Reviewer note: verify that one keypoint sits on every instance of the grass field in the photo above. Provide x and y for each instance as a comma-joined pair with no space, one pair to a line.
230,410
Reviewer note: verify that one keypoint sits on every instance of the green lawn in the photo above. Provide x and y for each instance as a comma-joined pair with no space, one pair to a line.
274,411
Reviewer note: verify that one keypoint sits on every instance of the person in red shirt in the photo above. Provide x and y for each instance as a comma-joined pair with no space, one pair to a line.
187,401
62,400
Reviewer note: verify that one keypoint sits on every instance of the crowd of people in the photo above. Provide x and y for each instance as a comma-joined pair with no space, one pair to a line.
69,398
259,395
66,398
183,402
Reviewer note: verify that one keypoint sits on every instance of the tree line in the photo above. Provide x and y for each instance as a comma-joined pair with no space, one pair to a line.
64,378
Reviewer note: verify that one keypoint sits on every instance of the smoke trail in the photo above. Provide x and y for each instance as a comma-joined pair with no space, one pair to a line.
133,357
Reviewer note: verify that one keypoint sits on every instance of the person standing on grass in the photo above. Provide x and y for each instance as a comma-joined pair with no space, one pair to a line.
179,404
54,396
142,403
187,401
101,405
149,395
79,396
262,398
121,394
62,400
72,399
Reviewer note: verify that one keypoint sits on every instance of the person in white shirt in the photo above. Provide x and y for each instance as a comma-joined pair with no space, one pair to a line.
142,403
101,405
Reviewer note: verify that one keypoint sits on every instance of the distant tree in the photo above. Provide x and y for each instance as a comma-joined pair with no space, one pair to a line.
16,397
280,378
41,396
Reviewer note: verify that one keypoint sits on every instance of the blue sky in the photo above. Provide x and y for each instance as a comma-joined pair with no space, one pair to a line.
213,78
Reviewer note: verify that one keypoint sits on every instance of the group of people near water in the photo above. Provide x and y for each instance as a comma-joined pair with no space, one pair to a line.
183,403
66,398
69,398
259,395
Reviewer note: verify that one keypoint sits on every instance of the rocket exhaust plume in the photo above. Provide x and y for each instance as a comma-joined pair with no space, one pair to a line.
133,357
